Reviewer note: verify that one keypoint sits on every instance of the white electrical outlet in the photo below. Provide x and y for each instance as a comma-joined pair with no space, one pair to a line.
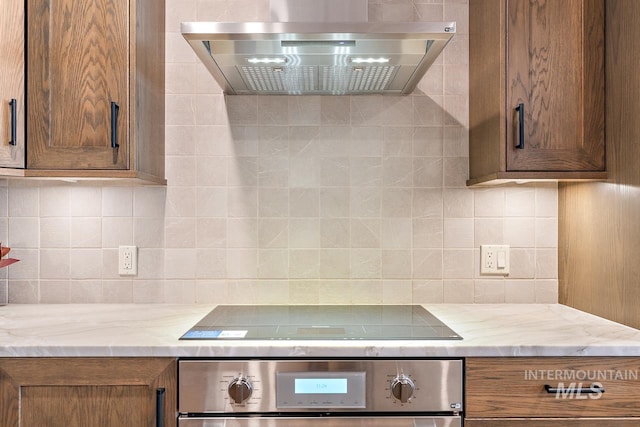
494,259
127,260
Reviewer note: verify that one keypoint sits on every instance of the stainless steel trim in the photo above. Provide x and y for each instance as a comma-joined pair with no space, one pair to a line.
323,421
319,10
203,384
317,30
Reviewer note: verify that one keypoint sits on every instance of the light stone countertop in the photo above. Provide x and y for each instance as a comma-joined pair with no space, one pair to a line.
153,330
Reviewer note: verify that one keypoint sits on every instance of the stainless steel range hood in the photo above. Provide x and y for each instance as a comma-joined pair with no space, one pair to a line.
340,55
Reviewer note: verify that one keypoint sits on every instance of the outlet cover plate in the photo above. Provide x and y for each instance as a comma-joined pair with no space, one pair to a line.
127,260
494,260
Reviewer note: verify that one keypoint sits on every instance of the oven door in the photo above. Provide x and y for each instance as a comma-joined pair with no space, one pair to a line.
323,421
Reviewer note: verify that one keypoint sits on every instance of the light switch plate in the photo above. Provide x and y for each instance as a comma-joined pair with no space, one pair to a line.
494,260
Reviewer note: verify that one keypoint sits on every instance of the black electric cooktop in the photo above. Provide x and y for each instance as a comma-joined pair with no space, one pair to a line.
320,322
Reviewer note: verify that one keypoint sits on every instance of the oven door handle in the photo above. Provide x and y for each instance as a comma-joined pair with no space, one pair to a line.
325,421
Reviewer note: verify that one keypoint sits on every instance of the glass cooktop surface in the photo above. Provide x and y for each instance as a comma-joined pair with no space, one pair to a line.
320,322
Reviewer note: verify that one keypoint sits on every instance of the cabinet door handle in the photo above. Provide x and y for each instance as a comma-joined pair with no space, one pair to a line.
520,110
592,389
115,109
159,406
13,104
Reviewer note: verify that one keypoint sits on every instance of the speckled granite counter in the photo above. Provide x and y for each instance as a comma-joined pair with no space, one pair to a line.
153,330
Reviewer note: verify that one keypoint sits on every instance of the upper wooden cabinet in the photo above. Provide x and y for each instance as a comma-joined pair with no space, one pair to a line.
80,69
12,83
95,89
536,104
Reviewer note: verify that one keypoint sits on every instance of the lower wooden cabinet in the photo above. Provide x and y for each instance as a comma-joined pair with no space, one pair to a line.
552,391
88,392
552,422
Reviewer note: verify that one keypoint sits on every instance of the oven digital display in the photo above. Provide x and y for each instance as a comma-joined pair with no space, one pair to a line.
320,386
326,389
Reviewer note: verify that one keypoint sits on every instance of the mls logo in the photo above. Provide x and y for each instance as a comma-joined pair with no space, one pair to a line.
576,390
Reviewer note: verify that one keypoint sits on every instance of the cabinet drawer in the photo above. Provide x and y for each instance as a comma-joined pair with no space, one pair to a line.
552,422
516,387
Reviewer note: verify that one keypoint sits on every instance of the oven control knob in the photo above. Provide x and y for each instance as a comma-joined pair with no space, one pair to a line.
402,388
240,389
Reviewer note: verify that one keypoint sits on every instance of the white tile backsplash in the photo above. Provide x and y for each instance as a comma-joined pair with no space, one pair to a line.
29,265
335,263
54,264
54,201
85,202
520,201
87,233
180,232
117,291
85,264
489,291
211,233
490,202
523,263
85,292
148,232
117,231
273,263
427,291
53,291
4,197
26,232
546,291
23,201
396,292
292,199
519,292
460,292
54,232
519,232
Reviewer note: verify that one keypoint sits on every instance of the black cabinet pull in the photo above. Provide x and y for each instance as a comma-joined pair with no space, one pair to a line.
159,405
520,110
115,109
14,121
592,389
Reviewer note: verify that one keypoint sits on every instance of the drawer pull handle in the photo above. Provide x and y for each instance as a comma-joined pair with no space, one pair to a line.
592,389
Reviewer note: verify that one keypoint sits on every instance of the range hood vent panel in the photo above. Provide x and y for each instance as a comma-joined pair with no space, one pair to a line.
320,79
318,58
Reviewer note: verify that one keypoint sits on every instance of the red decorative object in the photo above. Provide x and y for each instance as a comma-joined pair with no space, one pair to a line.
4,262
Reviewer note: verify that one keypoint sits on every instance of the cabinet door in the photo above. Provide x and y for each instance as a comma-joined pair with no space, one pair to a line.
12,84
78,65
95,392
538,387
555,69
552,422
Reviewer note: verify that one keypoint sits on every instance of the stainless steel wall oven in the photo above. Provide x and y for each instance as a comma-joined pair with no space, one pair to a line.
292,392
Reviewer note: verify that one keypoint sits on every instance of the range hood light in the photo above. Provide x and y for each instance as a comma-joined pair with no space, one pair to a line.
369,60
267,60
